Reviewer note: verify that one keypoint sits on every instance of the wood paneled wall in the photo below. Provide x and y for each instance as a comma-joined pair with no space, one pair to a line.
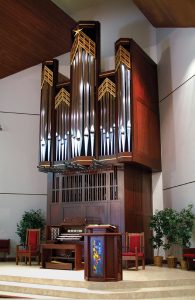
138,203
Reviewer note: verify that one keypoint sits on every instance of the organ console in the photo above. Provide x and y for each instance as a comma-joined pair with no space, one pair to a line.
64,245
70,230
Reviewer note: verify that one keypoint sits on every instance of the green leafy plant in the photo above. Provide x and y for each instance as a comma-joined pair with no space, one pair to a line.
156,226
30,219
185,226
171,227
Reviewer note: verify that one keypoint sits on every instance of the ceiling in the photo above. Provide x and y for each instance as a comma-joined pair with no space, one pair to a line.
168,13
32,31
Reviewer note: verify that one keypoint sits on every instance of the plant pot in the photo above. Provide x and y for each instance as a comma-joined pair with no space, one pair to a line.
158,261
172,262
183,264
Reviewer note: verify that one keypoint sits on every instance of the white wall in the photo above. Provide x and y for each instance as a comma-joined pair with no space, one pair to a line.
117,19
22,186
176,70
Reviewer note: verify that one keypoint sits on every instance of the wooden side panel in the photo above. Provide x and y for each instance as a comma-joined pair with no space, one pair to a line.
138,203
96,212
116,214
73,211
147,212
55,214
146,129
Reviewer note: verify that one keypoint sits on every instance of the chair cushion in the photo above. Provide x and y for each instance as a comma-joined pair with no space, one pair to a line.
139,254
191,255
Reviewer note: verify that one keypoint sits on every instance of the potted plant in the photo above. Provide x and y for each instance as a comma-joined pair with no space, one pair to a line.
30,219
170,230
157,238
185,224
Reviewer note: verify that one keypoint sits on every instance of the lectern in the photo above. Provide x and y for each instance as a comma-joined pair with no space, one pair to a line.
103,257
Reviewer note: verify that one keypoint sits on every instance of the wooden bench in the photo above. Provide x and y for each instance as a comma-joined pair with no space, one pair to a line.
189,256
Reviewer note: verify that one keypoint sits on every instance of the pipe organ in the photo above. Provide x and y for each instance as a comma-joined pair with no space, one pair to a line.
100,134
101,118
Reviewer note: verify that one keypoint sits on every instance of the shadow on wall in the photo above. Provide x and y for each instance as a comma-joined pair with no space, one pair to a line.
143,34
157,191
167,119
165,81
168,143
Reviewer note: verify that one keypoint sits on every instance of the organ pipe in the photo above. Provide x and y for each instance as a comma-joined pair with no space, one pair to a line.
84,67
123,79
62,112
106,100
47,133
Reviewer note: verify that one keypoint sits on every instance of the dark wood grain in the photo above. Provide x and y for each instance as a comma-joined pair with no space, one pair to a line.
111,256
138,203
168,13
146,125
31,31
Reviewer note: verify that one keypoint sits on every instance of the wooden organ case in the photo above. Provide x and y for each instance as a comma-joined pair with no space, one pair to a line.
137,106
105,137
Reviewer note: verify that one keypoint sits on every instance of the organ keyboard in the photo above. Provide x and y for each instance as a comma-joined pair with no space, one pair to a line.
71,235
69,231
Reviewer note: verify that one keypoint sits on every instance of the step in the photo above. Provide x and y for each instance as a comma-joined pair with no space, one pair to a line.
84,293
99,285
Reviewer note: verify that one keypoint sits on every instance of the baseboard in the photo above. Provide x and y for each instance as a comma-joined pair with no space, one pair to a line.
7,259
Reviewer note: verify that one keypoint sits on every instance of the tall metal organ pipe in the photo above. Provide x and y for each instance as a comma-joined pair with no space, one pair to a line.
47,126
106,100
123,75
83,100
62,110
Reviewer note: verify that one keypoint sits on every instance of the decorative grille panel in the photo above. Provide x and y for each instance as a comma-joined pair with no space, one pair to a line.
86,187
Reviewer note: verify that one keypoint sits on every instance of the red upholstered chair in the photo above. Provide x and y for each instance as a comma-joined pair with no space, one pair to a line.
189,256
134,249
31,248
